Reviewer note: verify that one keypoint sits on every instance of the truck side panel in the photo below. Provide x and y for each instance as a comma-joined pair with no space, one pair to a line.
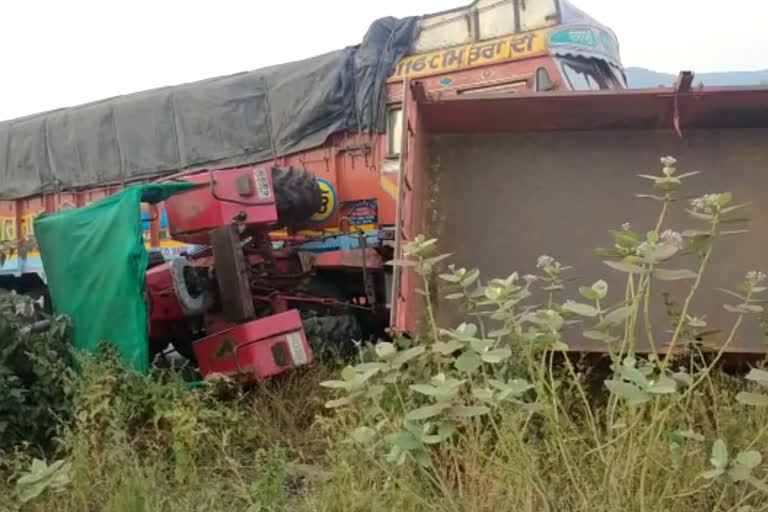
407,312
507,198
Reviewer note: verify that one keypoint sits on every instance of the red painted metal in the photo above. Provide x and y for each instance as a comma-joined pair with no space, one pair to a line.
255,350
352,258
407,310
221,200
163,303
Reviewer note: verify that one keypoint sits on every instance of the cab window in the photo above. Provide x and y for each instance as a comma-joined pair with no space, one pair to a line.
394,132
585,74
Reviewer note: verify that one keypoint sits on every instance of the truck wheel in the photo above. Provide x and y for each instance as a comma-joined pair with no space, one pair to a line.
337,332
193,301
297,195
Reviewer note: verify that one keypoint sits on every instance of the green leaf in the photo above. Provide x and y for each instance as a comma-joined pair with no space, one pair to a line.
759,376
743,309
711,474
757,484
673,275
483,394
734,220
496,356
629,392
385,350
663,386
447,348
635,376
468,362
407,355
437,259
682,378
719,458
41,477
422,458
649,196
451,278
426,389
339,402
426,412
754,399
335,384
363,435
599,336
581,309
724,198
588,293
348,373
750,459
623,267
404,441
462,411
663,251
617,316
515,387
368,367
735,207
696,233
701,216
729,292
738,473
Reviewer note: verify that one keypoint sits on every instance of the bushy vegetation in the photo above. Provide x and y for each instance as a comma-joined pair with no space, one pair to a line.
33,375
488,415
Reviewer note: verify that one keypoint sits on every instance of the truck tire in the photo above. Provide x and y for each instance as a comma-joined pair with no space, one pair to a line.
297,195
193,303
335,332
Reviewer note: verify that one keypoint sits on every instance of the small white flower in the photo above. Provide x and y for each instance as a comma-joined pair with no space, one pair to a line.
626,226
642,249
672,238
705,204
668,161
530,278
755,276
544,261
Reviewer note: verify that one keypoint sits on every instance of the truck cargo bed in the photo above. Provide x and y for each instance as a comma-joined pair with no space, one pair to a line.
504,186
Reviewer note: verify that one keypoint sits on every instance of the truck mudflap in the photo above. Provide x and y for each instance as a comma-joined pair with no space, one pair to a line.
255,350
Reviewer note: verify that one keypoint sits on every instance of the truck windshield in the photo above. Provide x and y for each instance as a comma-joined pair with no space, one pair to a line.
585,74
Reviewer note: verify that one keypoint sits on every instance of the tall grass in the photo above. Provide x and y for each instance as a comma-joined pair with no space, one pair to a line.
487,415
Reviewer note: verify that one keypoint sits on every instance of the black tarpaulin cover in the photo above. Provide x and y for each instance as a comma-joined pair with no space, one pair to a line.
225,121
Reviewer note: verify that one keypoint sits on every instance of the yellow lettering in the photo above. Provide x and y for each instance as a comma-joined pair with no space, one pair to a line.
520,46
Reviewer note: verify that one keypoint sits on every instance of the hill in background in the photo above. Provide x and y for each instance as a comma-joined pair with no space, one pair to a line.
641,78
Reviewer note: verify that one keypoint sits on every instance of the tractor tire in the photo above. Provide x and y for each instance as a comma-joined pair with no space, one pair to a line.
337,333
297,195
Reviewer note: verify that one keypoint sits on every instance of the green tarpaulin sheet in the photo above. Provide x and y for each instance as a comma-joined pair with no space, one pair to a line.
95,263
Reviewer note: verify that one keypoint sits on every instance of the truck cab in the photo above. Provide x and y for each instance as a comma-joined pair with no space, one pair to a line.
506,47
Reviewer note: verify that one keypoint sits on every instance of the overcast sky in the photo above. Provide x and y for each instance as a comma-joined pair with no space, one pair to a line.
57,53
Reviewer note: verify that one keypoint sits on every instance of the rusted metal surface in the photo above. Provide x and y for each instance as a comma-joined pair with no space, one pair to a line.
649,109
506,198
